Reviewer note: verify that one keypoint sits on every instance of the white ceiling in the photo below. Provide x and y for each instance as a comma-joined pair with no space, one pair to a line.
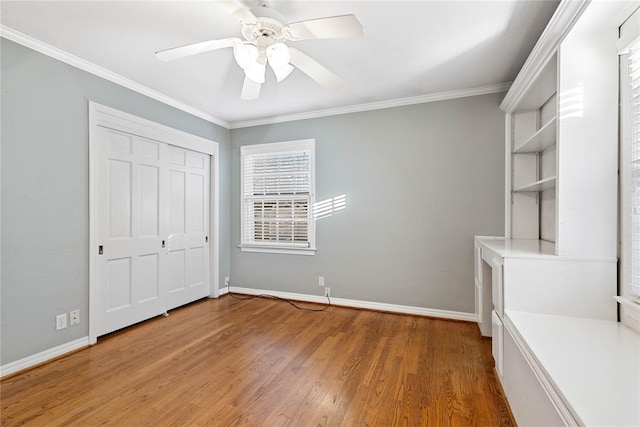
410,48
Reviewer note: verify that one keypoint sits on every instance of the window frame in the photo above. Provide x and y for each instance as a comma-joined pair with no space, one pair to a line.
275,148
629,38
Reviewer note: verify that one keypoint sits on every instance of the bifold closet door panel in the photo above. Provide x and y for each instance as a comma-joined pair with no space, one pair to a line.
152,228
131,217
188,239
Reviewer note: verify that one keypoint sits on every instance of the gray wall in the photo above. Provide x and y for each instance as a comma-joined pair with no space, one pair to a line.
45,192
420,182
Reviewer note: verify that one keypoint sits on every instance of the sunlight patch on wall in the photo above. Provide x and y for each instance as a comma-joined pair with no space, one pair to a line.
572,103
327,207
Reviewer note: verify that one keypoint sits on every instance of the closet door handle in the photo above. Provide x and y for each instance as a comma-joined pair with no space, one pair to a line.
163,243
206,239
100,250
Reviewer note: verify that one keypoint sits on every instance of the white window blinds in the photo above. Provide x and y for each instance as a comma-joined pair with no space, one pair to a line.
633,159
277,195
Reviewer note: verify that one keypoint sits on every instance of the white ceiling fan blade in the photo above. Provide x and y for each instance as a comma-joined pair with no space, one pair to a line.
250,89
239,11
314,70
326,28
195,48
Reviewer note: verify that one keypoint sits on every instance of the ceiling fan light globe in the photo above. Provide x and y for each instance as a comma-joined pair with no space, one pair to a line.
283,72
256,72
245,55
278,55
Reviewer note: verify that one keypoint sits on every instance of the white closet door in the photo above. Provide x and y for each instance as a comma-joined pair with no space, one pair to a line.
131,226
188,241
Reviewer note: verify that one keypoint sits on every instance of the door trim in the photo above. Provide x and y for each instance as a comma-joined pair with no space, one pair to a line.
107,117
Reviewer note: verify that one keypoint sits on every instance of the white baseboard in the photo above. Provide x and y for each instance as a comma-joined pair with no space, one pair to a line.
378,306
60,350
43,356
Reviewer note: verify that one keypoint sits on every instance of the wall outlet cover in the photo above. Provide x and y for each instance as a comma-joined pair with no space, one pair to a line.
327,292
61,321
74,317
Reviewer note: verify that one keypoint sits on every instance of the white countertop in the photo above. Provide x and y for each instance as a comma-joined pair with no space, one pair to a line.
593,364
518,248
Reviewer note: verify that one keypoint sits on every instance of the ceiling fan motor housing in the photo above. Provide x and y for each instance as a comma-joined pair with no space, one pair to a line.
268,28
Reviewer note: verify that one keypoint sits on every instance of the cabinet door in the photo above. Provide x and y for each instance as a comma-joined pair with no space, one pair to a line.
528,399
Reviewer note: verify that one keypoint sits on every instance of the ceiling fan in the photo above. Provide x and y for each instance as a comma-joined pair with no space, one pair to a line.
265,36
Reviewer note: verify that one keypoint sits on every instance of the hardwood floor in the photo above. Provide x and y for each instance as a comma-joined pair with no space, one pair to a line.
261,362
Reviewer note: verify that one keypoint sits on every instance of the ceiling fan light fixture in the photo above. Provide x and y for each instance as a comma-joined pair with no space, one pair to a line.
256,72
283,72
278,55
245,55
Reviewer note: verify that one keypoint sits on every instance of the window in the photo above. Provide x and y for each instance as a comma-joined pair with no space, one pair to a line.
633,159
630,82
629,46
277,190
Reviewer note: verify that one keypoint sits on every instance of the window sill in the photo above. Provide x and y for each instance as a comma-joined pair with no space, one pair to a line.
278,250
628,302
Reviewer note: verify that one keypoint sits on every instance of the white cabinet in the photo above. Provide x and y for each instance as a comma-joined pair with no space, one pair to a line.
483,287
561,370
561,139
524,275
530,401
559,254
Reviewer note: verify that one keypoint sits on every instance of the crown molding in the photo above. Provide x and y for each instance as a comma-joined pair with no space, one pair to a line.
421,99
39,46
561,22
56,53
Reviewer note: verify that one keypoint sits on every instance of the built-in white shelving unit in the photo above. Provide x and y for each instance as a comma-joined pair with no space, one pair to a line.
544,138
532,157
558,258
540,185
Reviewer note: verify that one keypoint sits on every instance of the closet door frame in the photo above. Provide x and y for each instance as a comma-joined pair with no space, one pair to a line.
101,116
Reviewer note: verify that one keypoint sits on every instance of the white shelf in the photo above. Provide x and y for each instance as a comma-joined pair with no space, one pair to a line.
543,184
541,140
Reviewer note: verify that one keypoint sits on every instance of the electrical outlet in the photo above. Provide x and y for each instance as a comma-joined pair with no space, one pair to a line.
74,317
320,280
327,292
226,282
61,321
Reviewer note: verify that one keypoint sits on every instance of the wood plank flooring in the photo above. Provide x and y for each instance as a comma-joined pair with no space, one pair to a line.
261,362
